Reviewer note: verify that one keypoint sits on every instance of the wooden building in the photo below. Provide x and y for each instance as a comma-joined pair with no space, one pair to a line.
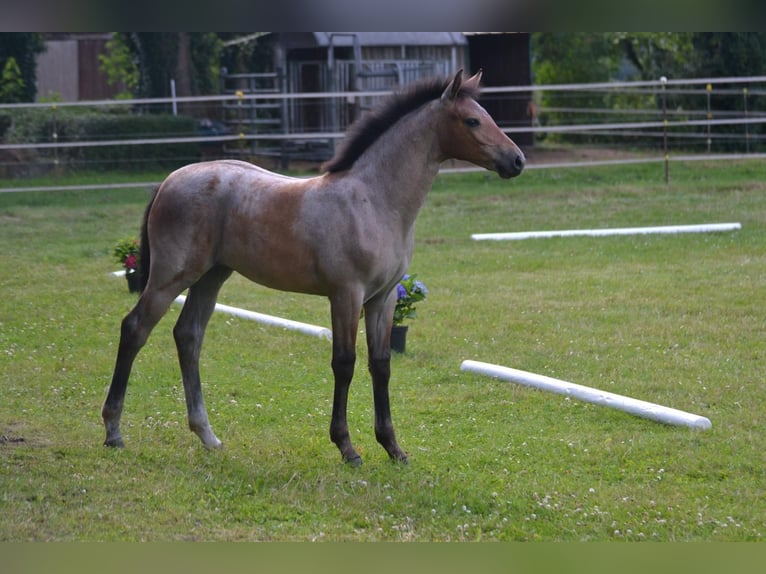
505,59
320,63
69,68
329,62
359,61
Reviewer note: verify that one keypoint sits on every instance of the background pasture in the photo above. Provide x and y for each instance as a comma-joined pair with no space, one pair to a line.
677,320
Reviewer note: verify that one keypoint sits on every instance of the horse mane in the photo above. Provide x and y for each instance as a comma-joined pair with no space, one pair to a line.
367,130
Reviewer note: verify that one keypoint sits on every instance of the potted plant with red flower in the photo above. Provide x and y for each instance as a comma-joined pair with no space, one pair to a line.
126,252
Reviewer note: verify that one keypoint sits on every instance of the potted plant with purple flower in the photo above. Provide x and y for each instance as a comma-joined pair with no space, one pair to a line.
126,252
409,291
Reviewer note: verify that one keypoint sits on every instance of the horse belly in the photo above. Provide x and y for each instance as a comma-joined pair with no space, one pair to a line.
278,271
267,251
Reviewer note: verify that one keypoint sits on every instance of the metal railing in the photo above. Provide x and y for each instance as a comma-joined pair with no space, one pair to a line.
684,118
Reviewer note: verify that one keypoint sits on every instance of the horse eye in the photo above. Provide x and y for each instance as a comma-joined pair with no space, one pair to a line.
472,122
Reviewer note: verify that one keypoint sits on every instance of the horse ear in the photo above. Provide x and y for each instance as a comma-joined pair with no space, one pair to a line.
473,82
452,89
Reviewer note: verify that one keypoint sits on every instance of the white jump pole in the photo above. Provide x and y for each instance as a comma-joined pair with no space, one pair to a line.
306,328
637,407
667,229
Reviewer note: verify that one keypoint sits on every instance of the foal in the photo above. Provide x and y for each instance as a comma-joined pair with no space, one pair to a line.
346,234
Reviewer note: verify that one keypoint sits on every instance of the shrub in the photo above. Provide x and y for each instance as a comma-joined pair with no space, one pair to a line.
104,124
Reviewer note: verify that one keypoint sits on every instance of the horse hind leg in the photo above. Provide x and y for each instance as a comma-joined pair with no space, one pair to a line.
134,331
189,333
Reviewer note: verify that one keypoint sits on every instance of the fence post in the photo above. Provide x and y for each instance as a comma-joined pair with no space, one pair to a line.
55,139
173,96
241,142
663,82
747,130
709,89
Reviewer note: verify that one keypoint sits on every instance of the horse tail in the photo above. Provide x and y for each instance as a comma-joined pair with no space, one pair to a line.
144,258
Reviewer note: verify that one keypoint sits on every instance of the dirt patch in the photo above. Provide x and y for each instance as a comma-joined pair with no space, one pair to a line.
13,435
12,439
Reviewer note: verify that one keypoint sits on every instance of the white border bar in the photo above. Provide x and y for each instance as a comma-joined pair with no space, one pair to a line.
636,407
702,228
306,328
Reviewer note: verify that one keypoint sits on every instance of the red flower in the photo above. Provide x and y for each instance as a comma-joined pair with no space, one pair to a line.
130,261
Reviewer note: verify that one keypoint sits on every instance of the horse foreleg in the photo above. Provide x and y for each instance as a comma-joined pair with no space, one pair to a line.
384,428
378,320
345,322
134,332
189,333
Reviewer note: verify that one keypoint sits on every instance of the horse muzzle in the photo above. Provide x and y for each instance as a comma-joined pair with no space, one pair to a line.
510,165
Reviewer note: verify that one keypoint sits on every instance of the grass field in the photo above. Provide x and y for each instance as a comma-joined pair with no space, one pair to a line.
676,320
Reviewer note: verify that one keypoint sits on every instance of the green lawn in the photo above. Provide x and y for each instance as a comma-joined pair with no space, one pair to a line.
676,320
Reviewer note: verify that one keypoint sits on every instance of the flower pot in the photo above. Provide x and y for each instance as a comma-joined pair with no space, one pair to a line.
132,278
399,338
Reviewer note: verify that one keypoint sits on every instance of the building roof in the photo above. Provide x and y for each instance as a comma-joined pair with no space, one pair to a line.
323,39
392,38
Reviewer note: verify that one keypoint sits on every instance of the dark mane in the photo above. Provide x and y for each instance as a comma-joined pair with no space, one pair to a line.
365,131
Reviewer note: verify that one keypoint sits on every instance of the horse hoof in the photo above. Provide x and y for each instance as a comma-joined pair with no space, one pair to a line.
207,436
354,461
214,445
114,442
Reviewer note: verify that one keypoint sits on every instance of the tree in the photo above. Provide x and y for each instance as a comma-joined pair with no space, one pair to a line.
120,66
571,58
23,47
656,54
11,82
189,58
601,57
244,53
727,54
592,57
730,54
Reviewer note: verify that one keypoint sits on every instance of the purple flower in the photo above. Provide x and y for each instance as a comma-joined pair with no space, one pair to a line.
409,292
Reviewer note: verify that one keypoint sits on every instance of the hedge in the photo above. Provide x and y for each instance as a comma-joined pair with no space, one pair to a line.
77,124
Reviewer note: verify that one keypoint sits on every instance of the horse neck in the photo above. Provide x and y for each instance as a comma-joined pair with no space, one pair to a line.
401,166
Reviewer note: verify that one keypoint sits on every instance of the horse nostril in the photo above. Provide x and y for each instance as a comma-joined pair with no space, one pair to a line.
510,164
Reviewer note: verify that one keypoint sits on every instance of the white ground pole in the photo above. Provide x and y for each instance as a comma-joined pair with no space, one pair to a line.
668,229
636,407
306,328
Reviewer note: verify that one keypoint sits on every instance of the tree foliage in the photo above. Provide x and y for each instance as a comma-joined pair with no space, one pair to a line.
145,62
593,57
120,66
11,82
243,54
562,58
571,58
655,54
727,54
23,47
